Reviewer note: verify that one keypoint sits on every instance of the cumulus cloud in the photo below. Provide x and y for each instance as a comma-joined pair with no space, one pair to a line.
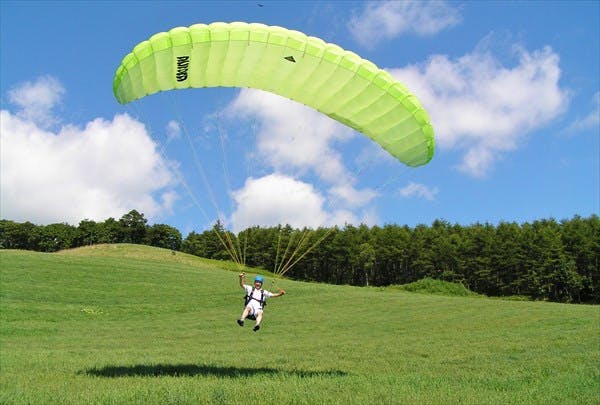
277,199
293,141
484,108
389,19
419,191
102,170
280,199
291,135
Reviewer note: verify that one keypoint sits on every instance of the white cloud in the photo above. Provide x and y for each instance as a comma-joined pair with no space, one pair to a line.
277,199
484,108
36,100
103,170
350,196
389,19
291,135
294,140
419,191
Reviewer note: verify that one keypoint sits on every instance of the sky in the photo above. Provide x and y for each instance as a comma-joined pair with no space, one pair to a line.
511,88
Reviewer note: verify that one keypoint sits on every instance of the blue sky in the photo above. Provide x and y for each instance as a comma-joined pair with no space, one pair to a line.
512,89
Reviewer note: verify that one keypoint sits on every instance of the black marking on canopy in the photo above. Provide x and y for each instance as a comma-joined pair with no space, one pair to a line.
290,58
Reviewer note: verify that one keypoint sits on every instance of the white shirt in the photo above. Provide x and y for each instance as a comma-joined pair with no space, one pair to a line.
257,295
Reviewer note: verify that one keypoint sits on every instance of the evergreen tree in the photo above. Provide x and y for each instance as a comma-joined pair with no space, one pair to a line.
133,227
163,236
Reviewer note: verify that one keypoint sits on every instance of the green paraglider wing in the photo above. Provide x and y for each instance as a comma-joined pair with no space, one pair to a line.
320,75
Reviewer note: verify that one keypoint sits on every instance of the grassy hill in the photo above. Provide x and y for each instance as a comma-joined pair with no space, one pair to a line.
135,324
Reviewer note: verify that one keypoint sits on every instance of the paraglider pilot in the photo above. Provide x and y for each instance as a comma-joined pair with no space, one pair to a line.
255,300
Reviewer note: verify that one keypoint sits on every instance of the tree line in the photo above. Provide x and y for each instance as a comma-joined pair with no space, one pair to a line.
546,259
130,228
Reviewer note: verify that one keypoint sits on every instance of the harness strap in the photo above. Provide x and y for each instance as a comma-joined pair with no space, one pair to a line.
250,297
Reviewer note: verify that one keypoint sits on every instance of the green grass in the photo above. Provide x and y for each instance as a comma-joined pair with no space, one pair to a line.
121,324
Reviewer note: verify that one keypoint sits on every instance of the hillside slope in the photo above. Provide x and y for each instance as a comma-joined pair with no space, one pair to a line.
134,324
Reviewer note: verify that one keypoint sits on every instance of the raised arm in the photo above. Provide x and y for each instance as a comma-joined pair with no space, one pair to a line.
242,278
279,294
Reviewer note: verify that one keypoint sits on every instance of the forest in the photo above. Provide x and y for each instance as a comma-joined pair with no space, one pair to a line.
543,260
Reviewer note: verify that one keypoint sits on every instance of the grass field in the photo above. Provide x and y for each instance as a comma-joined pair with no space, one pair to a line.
120,324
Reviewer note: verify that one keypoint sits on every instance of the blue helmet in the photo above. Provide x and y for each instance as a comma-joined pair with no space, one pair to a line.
259,279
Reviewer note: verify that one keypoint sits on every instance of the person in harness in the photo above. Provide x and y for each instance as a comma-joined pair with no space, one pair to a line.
255,300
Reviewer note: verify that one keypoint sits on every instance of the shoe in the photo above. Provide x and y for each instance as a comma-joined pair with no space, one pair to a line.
257,327
240,322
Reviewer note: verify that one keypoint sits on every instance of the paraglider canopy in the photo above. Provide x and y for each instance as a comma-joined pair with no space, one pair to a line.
306,69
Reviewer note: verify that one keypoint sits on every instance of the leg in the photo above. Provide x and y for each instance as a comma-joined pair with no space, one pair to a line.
244,315
259,315
245,312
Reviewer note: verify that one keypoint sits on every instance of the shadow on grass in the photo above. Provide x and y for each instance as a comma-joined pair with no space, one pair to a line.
175,370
